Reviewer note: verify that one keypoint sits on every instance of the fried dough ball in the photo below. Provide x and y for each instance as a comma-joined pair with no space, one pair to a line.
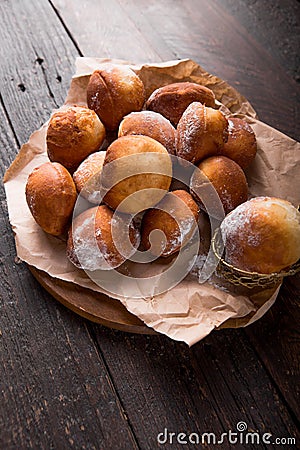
114,91
201,132
87,177
172,100
94,244
175,218
241,145
152,124
137,173
262,235
73,134
51,196
226,177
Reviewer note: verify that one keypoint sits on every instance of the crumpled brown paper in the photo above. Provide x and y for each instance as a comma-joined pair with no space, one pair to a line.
189,311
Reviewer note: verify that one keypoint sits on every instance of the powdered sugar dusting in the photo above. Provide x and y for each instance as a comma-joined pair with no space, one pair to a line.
188,131
85,246
238,225
180,235
95,246
152,124
198,265
88,177
226,198
241,229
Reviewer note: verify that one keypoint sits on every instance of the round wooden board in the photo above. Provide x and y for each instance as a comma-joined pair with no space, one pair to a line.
110,312
91,305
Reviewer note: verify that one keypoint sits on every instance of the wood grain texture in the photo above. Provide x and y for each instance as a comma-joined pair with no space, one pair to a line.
271,23
201,32
276,339
37,63
198,29
208,388
92,305
52,378
106,29
67,383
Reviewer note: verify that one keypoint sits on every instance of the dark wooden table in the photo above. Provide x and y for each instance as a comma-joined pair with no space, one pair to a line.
69,383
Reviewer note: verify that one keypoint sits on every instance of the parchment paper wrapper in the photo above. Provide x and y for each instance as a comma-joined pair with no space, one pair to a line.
189,311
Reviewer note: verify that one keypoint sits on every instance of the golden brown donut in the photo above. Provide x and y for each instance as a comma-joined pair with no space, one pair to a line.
201,132
172,100
152,124
137,173
93,245
227,178
72,135
176,216
262,235
51,196
87,177
114,91
241,144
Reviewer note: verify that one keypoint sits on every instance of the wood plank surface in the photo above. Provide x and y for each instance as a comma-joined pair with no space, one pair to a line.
276,339
244,63
197,29
52,378
67,383
37,65
111,32
208,388
271,24
91,305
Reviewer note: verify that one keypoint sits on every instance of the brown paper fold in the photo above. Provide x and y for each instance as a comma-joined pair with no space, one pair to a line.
189,311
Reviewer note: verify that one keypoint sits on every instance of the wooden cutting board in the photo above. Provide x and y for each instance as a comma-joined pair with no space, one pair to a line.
92,305
110,312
